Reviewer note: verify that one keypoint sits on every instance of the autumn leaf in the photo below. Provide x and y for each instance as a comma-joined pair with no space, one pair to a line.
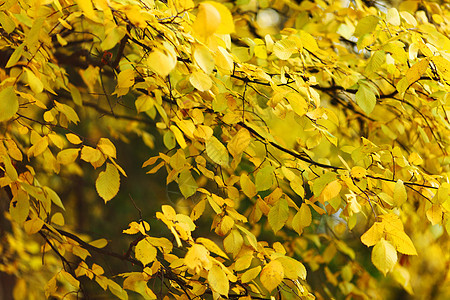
108,182
384,256
218,280
272,275
278,215
9,104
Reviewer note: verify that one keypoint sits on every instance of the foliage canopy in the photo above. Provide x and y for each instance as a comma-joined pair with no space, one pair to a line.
308,161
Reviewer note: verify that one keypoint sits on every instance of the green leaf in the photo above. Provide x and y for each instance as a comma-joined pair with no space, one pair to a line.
278,214
9,104
108,182
365,98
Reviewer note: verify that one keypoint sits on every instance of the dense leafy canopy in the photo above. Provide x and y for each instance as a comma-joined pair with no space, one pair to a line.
306,144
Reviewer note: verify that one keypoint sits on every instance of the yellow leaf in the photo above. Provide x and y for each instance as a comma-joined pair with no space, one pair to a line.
200,81
415,159
39,147
434,214
218,280
58,219
298,103
57,140
415,72
90,154
13,151
33,225
162,63
19,207
9,104
211,246
384,256
239,142
217,151
144,103
9,168
393,17
108,182
197,258
331,190
278,214
100,243
393,228
226,25
87,8
73,138
308,41
204,59
125,79
67,156
67,277
272,275
207,21
107,147
285,48
135,227
233,242
198,210
68,111
293,269
145,252
224,225
373,235
358,172
178,136
302,218
250,274
443,66
34,82
400,195
247,185
53,196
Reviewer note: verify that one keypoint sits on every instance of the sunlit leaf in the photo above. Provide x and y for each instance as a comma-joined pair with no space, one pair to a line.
108,182
9,104
272,275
